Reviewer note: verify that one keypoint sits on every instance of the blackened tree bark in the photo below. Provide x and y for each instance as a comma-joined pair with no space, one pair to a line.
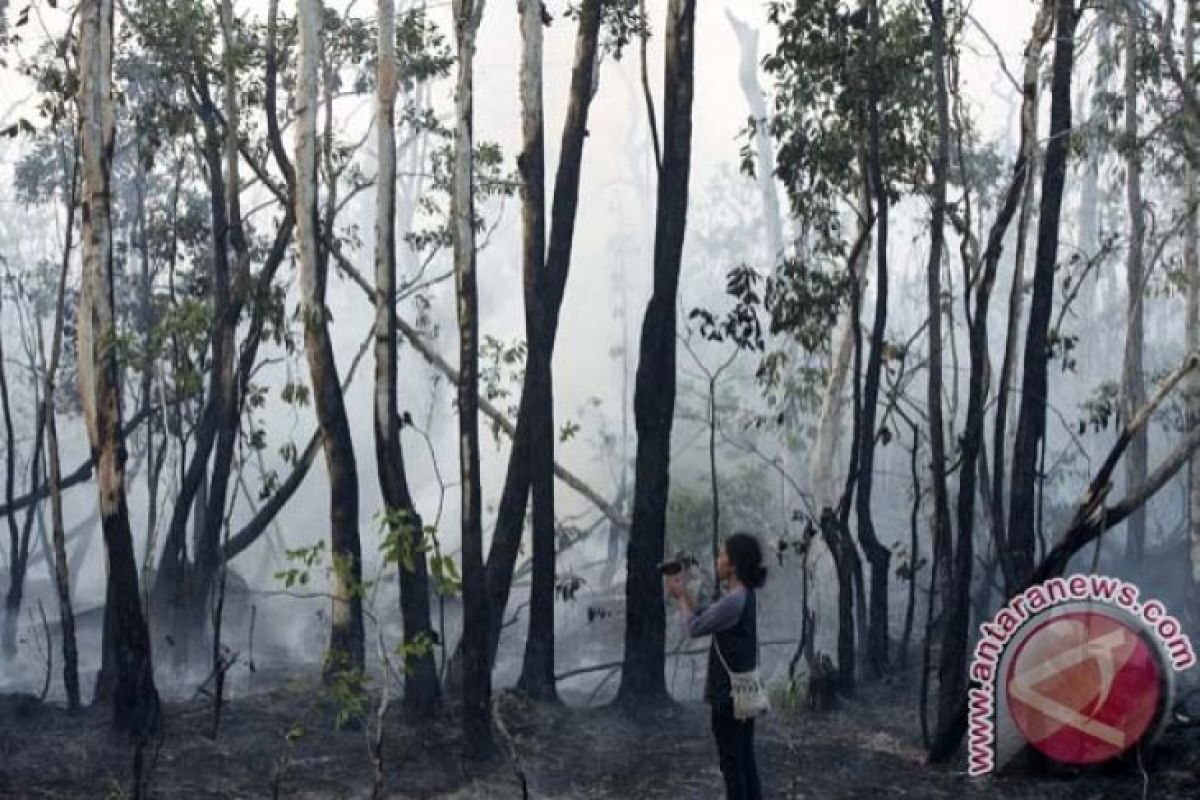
537,672
514,497
477,617
136,704
1042,27
62,568
942,530
1031,420
421,689
346,646
877,554
642,678
12,599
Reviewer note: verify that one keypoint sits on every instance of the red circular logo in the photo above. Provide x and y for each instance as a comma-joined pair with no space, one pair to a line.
1084,687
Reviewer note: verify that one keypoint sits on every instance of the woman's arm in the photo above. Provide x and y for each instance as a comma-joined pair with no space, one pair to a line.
700,621
719,616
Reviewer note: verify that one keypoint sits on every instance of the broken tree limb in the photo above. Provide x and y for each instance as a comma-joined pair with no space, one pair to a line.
441,365
1093,517
80,474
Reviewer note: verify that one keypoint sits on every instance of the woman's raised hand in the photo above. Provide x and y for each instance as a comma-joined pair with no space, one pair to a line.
676,587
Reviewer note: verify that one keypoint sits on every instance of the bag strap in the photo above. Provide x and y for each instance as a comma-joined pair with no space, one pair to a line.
724,663
750,598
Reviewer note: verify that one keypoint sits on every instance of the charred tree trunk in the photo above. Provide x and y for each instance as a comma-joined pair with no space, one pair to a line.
642,678
421,689
942,527
346,646
12,599
62,568
1031,420
477,617
136,704
877,554
1042,27
514,498
537,672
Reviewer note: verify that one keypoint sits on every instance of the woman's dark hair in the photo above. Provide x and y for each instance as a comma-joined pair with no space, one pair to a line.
746,554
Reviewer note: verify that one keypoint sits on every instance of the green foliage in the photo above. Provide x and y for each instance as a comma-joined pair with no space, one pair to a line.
415,649
789,697
403,543
307,558
347,687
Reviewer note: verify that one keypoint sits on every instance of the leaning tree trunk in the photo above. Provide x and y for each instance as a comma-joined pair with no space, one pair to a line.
346,640
1043,25
952,677
537,672
877,554
421,690
1133,382
1031,420
136,704
642,678
477,617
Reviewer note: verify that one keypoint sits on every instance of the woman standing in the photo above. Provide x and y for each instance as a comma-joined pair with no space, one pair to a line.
733,623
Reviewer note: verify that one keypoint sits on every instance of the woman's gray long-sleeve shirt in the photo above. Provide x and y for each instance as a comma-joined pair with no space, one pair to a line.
733,623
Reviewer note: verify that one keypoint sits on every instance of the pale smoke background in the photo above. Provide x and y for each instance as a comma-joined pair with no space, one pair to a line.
611,268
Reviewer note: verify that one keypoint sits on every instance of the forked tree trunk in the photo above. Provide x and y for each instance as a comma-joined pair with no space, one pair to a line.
514,498
1042,27
421,690
136,704
642,678
346,645
1031,420
537,672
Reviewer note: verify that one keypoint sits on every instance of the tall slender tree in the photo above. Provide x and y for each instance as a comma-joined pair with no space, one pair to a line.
346,646
136,703
877,554
421,689
1031,420
537,673
642,677
1133,380
477,618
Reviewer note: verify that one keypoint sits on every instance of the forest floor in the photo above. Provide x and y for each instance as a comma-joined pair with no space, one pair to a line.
855,751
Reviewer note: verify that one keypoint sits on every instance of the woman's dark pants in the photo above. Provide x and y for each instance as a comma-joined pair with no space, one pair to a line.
735,748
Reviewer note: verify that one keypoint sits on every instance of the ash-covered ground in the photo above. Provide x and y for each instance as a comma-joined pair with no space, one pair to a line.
865,747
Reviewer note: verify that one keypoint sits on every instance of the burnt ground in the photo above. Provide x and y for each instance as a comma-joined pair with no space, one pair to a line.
855,751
